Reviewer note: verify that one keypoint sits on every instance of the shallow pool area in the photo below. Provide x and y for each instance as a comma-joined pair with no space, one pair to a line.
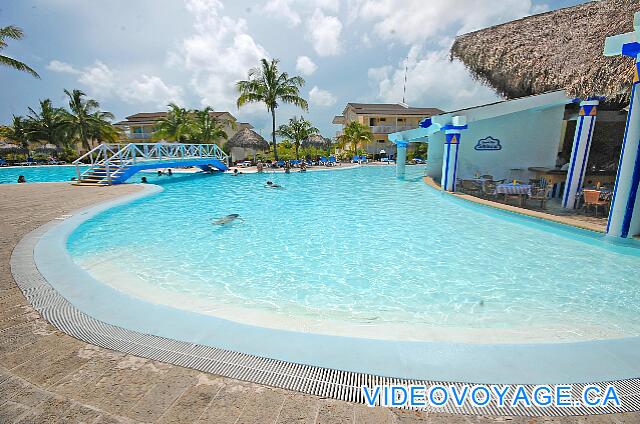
360,253
38,174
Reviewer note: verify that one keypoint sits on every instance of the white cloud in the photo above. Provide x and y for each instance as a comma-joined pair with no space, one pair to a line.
63,67
320,97
218,53
151,89
305,65
99,78
324,33
414,21
282,8
432,81
102,82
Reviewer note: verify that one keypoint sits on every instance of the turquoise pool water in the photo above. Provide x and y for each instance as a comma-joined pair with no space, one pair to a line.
37,174
359,252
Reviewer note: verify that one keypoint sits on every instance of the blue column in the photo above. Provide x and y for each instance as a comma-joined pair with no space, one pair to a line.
450,159
624,217
401,157
580,152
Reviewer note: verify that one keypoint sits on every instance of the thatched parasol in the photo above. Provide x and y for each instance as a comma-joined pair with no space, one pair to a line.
562,49
318,141
247,139
7,148
47,148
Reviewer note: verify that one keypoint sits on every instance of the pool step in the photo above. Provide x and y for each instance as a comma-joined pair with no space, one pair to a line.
97,176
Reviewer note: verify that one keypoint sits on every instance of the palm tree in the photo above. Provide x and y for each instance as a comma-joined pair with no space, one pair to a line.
101,129
355,134
82,118
296,131
18,132
176,126
266,84
207,128
47,125
13,33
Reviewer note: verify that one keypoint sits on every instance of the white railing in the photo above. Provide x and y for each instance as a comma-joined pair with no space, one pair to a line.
114,157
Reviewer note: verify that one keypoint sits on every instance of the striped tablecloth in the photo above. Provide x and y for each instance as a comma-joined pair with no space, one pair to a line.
514,189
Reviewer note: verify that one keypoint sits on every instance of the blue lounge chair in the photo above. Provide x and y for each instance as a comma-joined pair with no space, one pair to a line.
280,164
363,159
332,160
3,162
418,161
355,159
323,161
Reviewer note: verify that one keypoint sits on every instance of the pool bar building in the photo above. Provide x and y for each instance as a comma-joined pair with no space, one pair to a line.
521,138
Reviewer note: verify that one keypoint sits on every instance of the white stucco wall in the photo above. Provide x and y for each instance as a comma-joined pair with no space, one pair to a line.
528,139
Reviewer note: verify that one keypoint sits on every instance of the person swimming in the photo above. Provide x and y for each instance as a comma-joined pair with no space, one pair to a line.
270,184
227,219
143,180
169,172
235,172
22,179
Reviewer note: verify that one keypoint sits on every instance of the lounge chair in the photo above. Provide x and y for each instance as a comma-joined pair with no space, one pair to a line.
3,162
384,160
280,164
418,161
355,159
332,161
363,159
323,161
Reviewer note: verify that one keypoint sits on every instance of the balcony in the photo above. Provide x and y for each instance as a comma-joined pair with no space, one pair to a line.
388,129
140,136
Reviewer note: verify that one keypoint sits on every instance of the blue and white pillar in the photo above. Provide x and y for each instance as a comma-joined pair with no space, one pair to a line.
450,159
580,152
401,157
624,216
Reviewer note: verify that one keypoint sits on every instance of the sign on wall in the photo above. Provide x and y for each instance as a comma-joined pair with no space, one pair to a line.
488,143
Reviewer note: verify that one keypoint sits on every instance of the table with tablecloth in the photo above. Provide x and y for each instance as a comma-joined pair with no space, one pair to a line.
514,189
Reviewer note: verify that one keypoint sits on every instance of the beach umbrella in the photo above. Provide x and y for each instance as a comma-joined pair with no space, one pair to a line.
248,139
47,148
317,141
6,148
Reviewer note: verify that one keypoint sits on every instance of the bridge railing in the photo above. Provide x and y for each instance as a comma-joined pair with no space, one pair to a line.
116,156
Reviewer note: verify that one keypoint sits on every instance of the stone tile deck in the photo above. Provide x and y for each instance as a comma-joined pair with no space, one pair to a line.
49,377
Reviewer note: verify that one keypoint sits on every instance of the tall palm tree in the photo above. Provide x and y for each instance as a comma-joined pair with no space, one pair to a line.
176,126
47,124
18,132
207,128
355,134
266,84
13,33
296,131
81,120
101,129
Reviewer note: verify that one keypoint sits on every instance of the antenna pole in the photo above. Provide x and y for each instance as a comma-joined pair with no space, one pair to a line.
404,88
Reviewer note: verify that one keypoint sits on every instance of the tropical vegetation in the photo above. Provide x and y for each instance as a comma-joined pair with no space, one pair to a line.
355,134
296,131
62,128
14,33
197,126
266,84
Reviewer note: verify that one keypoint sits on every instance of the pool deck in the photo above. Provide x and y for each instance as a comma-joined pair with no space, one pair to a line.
584,222
47,376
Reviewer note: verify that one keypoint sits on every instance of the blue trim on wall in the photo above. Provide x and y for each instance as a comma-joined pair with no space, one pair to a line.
455,168
633,192
573,164
586,154
446,167
624,144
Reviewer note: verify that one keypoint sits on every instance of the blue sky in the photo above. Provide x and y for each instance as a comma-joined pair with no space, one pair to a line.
137,55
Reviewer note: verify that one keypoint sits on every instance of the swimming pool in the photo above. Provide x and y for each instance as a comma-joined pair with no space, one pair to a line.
360,253
38,174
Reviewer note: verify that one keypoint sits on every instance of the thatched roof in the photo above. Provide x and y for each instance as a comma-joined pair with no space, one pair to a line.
316,140
248,139
562,49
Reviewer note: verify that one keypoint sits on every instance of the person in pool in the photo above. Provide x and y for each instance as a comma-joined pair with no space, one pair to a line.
227,219
235,172
160,173
22,179
270,184
169,172
143,180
